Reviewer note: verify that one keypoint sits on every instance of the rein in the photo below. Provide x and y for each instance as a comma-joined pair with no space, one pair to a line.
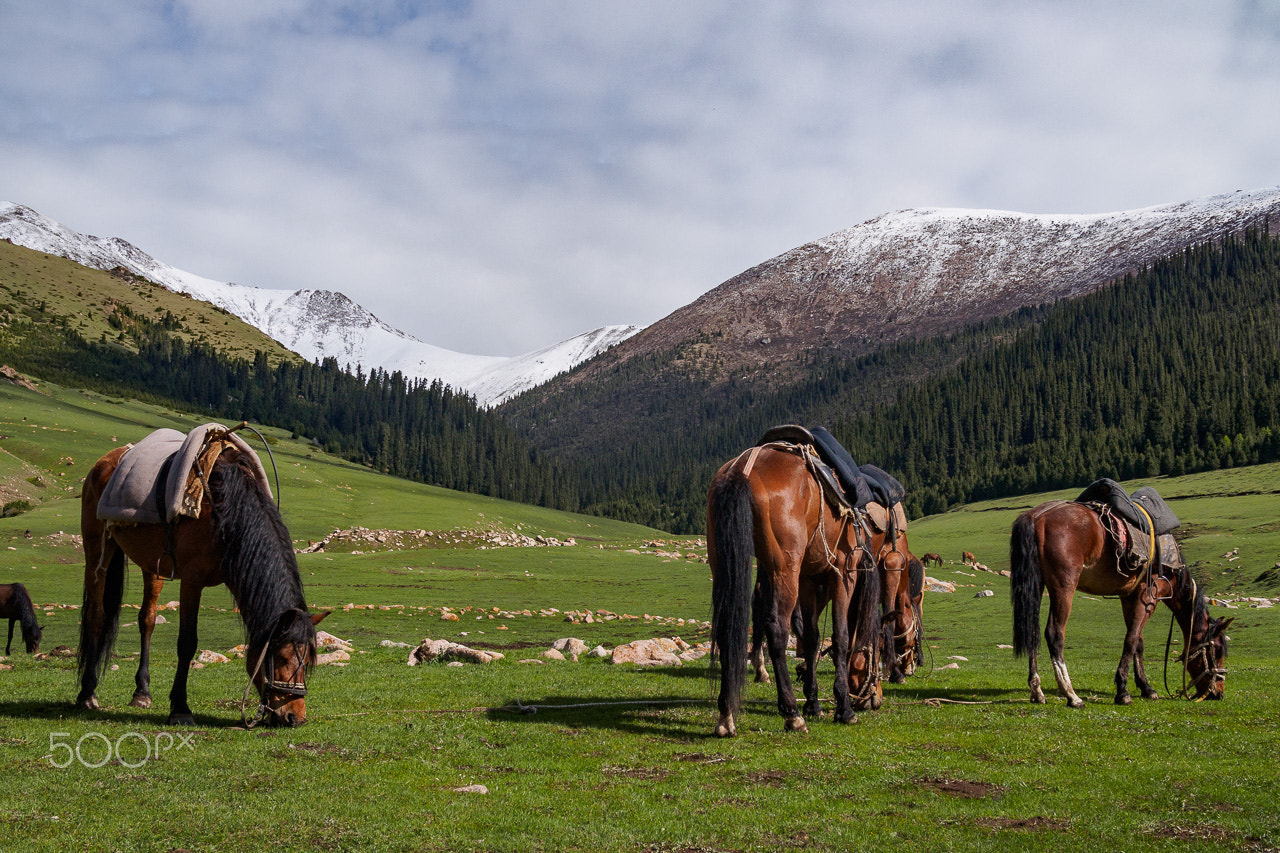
1200,651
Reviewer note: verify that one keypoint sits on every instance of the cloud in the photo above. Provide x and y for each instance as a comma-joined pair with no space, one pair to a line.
492,177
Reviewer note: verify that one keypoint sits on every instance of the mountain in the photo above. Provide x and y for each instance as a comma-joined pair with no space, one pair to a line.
922,273
318,324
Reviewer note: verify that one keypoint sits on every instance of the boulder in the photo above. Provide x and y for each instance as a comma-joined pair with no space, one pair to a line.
207,656
656,652
570,647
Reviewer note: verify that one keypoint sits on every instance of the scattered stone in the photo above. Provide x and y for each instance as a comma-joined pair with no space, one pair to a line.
656,652
570,647
958,657
986,593
935,585
208,656
446,616
533,660
339,656
952,665
1003,646
471,789
599,652
326,642
553,654
392,644
429,650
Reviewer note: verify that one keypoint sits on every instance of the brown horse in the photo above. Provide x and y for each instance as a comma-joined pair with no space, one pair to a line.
967,558
932,559
240,540
1063,546
16,606
768,504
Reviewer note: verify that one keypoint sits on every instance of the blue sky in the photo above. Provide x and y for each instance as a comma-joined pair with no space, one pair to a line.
493,177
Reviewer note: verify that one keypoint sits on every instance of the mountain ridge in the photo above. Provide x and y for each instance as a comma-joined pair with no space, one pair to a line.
315,323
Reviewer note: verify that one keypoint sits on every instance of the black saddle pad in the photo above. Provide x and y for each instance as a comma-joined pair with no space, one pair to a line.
1111,493
852,479
886,488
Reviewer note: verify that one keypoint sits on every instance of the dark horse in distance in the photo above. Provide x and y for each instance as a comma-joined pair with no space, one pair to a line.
238,539
15,604
1063,546
767,503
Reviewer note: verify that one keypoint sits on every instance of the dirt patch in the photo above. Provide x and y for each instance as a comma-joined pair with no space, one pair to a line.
771,778
1031,824
701,758
652,774
1212,833
962,788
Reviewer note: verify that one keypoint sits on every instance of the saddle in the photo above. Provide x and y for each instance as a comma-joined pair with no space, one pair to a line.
1139,525
865,488
165,475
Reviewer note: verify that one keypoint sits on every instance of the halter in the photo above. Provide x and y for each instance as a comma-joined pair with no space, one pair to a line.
297,689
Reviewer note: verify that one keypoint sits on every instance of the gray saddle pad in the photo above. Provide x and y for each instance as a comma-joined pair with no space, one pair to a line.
147,485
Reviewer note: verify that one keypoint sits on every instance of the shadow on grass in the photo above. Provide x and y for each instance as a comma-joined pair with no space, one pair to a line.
67,711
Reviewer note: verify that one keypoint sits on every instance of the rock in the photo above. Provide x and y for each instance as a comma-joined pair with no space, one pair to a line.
599,652
986,593
958,657
448,617
570,647
339,656
392,644
326,642
207,656
935,585
553,654
952,665
471,789
429,650
657,652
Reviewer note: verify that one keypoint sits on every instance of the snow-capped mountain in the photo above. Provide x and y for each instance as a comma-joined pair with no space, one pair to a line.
925,272
319,324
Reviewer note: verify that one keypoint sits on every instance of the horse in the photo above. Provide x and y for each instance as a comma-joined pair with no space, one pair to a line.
767,503
901,578
967,558
238,539
15,604
931,559
1063,546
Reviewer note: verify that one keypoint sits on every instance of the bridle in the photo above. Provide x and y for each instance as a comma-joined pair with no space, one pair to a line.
296,689
1201,651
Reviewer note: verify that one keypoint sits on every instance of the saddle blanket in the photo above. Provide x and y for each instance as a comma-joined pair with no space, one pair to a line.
158,480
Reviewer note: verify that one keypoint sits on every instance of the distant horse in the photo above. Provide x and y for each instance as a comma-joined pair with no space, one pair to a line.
240,540
767,503
932,559
15,604
967,558
1064,547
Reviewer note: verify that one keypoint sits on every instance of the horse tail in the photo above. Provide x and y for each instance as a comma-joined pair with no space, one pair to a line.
97,640
730,518
1026,585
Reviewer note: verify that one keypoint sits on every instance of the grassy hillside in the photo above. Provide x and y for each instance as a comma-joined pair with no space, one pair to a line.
98,304
617,758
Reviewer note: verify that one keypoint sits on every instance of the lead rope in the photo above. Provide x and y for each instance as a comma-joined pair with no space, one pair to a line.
261,713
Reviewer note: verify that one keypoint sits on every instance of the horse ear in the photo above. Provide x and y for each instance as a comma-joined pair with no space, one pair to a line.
317,618
1222,626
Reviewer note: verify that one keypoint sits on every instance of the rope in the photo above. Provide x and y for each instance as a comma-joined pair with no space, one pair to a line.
520,708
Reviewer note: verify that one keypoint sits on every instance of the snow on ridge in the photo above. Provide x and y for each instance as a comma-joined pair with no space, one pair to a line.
318,324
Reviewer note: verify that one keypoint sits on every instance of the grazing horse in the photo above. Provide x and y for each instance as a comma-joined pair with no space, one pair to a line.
240,540
15,604
967,558
932,559
1063,546
767,503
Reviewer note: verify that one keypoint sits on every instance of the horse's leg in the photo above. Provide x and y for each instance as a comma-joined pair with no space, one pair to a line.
840,645
756,657
9,645
1055,635
1137,610
189,610
777,629
104,565
809,642
146,624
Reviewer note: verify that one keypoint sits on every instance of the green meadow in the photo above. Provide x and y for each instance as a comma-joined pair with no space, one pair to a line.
593,756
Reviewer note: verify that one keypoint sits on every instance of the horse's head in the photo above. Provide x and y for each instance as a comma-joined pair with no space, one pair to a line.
279,672
1206,660
32,638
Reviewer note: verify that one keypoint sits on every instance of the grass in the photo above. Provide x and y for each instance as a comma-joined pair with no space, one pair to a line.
957,759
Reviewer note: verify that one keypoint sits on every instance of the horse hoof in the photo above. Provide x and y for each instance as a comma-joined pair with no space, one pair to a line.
847,719
761,679
1077,702
90,704
1124,699
181,720
726,728
898,678
1151,695
796,724
140,700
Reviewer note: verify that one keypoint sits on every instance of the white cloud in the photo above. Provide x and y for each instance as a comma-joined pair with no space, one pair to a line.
492,177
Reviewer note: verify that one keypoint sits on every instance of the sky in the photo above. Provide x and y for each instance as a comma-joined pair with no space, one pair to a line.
492,177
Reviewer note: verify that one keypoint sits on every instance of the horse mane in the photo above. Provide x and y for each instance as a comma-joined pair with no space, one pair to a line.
31,632
1188,592
258,560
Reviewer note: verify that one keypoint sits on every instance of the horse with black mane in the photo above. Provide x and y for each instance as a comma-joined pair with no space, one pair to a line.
16,606
1063,546
238,538
768,503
